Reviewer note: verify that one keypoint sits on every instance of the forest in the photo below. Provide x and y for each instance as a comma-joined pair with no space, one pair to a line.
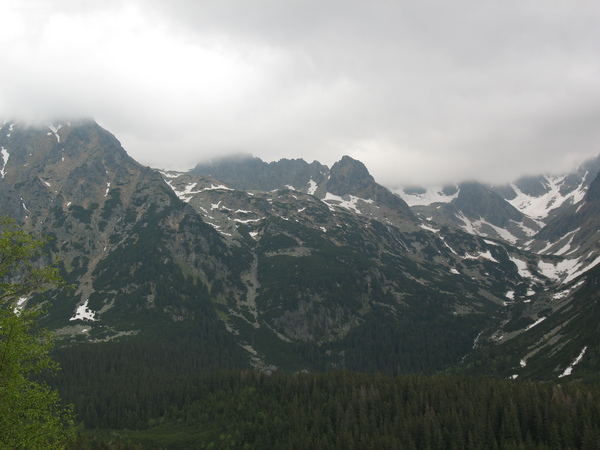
186,407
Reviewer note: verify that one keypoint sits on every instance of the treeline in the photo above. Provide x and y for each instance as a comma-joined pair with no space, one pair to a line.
345,410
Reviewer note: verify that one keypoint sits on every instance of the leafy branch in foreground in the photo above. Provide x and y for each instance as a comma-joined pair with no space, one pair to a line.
31,414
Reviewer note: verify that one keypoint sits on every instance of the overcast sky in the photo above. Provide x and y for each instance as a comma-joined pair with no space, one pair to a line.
421,91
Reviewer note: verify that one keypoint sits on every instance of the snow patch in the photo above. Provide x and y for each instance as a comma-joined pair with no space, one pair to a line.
54,131
486,255
428,228
446,244
20,305
521,267
5,156
475,227
563,294
347,204
312,187
583,268
566,270
187,193
214,187
559,270
84,313
566,247
528,231
537,322
569,369
171,174
539,207
247,220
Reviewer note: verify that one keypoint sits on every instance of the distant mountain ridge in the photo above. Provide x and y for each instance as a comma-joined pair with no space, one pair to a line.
246,172
298,266
551,215
543,197
347,181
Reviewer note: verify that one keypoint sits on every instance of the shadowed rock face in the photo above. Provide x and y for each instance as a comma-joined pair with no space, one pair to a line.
477,201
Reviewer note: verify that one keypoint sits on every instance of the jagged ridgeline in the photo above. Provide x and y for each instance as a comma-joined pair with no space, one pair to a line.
295,266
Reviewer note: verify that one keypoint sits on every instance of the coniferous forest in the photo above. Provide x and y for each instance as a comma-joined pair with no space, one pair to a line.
342,410
122,403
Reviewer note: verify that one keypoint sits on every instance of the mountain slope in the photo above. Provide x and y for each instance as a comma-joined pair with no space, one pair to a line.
544,197
138,257
332,270
474,208
556,334
289,265
514,212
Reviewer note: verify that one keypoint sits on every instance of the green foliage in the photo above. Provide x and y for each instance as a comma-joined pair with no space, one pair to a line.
19,275
31,415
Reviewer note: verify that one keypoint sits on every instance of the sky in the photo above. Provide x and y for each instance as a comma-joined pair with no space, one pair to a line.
422,92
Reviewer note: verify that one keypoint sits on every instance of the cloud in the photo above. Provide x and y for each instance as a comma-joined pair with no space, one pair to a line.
421,92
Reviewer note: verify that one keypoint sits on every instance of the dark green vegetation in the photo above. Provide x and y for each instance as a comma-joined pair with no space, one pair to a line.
243,409
31,415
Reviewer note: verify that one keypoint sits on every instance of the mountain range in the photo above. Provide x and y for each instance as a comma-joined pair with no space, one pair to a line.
296,266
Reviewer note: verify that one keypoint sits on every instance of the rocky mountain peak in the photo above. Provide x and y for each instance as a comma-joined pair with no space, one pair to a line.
348,176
